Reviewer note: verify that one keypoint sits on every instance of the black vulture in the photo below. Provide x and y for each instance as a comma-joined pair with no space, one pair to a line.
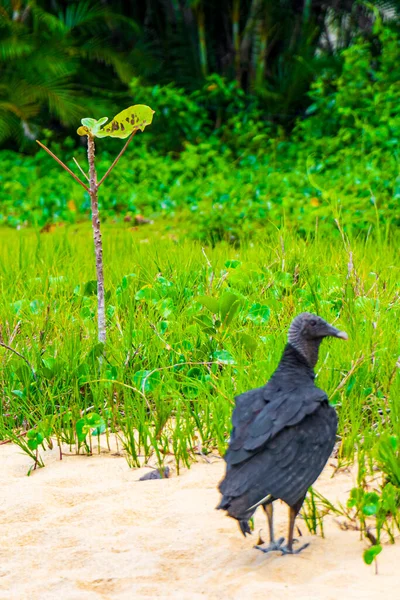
283,434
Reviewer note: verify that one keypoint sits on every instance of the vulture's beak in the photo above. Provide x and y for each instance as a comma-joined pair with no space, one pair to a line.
336,333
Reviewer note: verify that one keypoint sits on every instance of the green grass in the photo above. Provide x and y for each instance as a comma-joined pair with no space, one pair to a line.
170,373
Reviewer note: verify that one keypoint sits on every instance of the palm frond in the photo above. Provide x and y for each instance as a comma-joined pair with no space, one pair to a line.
14,47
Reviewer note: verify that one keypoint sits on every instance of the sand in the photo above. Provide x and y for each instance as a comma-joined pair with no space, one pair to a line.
86,529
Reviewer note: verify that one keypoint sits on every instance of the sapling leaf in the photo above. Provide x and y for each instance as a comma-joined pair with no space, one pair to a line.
91,126
127,121
83,130
371,553
89,123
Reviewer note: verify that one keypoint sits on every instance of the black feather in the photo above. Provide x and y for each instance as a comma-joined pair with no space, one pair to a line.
283,434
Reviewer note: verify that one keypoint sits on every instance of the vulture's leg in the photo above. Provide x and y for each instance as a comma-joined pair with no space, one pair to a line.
293,512
273,545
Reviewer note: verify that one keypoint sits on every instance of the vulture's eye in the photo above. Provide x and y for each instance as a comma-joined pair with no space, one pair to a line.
313,322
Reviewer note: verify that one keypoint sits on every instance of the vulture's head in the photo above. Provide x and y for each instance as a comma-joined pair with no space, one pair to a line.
307,331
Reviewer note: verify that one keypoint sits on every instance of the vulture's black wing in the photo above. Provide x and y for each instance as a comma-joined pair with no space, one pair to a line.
280,443
262,413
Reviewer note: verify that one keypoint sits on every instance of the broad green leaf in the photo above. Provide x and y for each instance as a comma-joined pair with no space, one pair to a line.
112,373
99,430
205,323
258,313
147,293
356,497
126,122
166,307
35,438
195,373
208,302
94,419
24,374
82,429
371,553
228,306
224,357
86,313
110,311
370,509
46,373
248,341
232,264
36,306
370,504
32,444
190,391
371,498
90,288
163,326
147,381
96,351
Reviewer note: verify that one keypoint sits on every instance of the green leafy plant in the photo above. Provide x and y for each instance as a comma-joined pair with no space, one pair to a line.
124,125
223,310
90,423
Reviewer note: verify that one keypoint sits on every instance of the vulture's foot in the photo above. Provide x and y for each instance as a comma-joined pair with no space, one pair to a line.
275,546
287,550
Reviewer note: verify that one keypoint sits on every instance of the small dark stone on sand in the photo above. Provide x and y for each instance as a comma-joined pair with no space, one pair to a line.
156,474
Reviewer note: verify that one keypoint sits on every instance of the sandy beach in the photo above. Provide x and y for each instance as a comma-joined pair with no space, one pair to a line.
84,528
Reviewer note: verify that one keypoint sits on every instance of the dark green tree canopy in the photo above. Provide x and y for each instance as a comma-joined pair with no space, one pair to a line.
60,59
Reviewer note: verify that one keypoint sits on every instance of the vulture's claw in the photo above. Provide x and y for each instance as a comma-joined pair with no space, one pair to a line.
286,550
272,547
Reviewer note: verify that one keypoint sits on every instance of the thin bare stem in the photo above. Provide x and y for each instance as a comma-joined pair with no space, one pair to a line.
211,281
11,440
98,246
110,168
21,356
64,166
80,168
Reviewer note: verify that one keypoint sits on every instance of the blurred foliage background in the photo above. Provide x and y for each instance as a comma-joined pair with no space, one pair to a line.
265,110
62,59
